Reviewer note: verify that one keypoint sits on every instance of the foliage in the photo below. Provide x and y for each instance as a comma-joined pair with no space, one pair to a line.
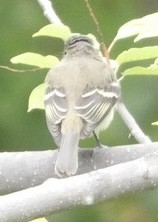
39,220
34,59
141,28
144,204
54,30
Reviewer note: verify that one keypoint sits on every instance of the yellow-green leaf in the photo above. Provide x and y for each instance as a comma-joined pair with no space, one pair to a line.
139,70
144,27
156,61
34,59
138,54
39,220
36,99
155,123
54,30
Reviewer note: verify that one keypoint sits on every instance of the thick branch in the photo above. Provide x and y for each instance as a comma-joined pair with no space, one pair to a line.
58,194
26,169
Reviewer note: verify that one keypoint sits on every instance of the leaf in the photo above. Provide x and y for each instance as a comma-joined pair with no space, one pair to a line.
144,27
34,59
139,70
39,220
54,30
155,123
156,61
138,54
36,98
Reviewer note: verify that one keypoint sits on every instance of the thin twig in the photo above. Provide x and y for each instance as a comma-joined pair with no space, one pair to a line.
20,70
95,20
132,124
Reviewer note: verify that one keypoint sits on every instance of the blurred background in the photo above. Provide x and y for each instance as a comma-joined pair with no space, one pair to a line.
21,131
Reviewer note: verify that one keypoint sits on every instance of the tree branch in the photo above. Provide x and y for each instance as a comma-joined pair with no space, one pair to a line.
49,12
132,124
56,194
28,169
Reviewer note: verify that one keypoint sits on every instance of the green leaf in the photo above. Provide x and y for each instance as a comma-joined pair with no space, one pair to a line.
144,27
155,123
138,54
156,61
36,99
54,30
39,220
139,70
34,59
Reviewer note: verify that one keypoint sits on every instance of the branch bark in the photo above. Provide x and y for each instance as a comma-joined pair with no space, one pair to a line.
56,194
28,169
49,11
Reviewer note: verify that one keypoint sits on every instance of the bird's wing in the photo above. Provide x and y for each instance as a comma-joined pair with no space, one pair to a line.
56,108
93,106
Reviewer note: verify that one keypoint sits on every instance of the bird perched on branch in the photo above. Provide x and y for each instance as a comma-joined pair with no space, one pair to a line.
81,92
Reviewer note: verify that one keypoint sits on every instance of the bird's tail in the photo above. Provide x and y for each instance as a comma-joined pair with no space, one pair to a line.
67,159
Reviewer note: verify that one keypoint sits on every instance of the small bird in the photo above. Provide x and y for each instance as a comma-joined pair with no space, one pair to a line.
81,92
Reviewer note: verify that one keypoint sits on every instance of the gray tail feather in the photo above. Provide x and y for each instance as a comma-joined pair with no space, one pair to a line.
67,159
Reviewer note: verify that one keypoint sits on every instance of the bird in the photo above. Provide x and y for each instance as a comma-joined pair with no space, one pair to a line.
80,96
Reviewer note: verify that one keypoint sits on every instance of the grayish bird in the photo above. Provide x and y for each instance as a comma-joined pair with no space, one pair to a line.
81,92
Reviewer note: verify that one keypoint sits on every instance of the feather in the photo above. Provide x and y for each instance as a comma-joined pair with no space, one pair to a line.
94,106
67,159
56,108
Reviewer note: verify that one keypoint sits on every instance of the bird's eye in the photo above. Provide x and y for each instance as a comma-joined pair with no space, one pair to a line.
65,53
